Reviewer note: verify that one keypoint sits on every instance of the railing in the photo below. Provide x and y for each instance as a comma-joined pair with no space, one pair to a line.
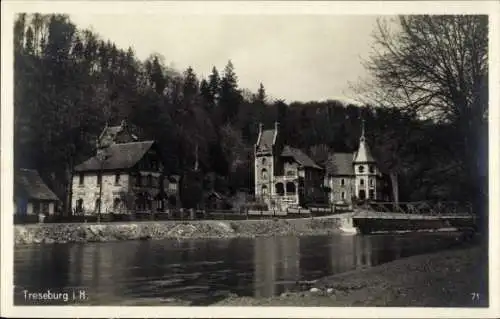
429,208
173,215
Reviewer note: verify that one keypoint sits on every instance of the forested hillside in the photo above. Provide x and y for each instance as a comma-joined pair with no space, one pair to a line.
69,82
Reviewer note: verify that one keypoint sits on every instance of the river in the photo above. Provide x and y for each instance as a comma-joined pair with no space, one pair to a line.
202,271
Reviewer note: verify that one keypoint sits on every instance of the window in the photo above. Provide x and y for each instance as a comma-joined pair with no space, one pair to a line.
79,205
154,165
160,205
362,194
97,204
372,169
117,178
371,194
264,190
362,182
45,208
372,182
264,173
150,180
290,188
342,182
82,178
172,186
264,162
99,179
280,190
138,180
36,208
342,195
290,173
116,203
140,202
361,169
172,201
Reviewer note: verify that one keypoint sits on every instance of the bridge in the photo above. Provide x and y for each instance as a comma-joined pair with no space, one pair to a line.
387,216
415,210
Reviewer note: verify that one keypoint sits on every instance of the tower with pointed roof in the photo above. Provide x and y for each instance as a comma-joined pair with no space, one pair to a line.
264,162
284,176
366,171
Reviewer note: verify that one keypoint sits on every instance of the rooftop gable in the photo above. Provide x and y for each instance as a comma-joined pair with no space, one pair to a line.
117,156
340,164
300,157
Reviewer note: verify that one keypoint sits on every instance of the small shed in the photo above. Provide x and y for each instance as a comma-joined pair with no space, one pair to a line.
31,195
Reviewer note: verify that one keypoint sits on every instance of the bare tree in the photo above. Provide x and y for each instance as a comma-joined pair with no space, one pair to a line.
433,65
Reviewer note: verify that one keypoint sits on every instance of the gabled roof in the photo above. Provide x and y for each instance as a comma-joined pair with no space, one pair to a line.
118,156
266,139
340,164
29,183
110,133
300,157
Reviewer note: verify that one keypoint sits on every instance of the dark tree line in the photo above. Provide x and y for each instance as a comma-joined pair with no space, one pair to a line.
69,83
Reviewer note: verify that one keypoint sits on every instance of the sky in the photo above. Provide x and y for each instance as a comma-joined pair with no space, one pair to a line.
296,57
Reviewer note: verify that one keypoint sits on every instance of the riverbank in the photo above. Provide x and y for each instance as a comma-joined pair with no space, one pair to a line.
80,232
453,278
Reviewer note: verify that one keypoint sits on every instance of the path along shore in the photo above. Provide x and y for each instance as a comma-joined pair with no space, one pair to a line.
453,278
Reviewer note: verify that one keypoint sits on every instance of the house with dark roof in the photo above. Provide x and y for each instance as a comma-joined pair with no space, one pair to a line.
354,175
31,195
284,176
124,175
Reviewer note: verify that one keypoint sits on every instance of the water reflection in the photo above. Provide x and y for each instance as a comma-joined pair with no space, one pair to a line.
277,264
201,270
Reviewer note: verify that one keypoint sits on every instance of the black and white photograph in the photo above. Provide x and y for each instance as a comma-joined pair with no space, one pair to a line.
185,156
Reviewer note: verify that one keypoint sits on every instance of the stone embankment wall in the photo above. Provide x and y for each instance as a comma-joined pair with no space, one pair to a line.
81,232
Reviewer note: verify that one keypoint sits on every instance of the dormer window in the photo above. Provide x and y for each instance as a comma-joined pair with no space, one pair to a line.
372,169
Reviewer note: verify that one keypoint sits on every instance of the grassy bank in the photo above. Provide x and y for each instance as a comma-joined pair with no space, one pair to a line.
444,279
80,232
